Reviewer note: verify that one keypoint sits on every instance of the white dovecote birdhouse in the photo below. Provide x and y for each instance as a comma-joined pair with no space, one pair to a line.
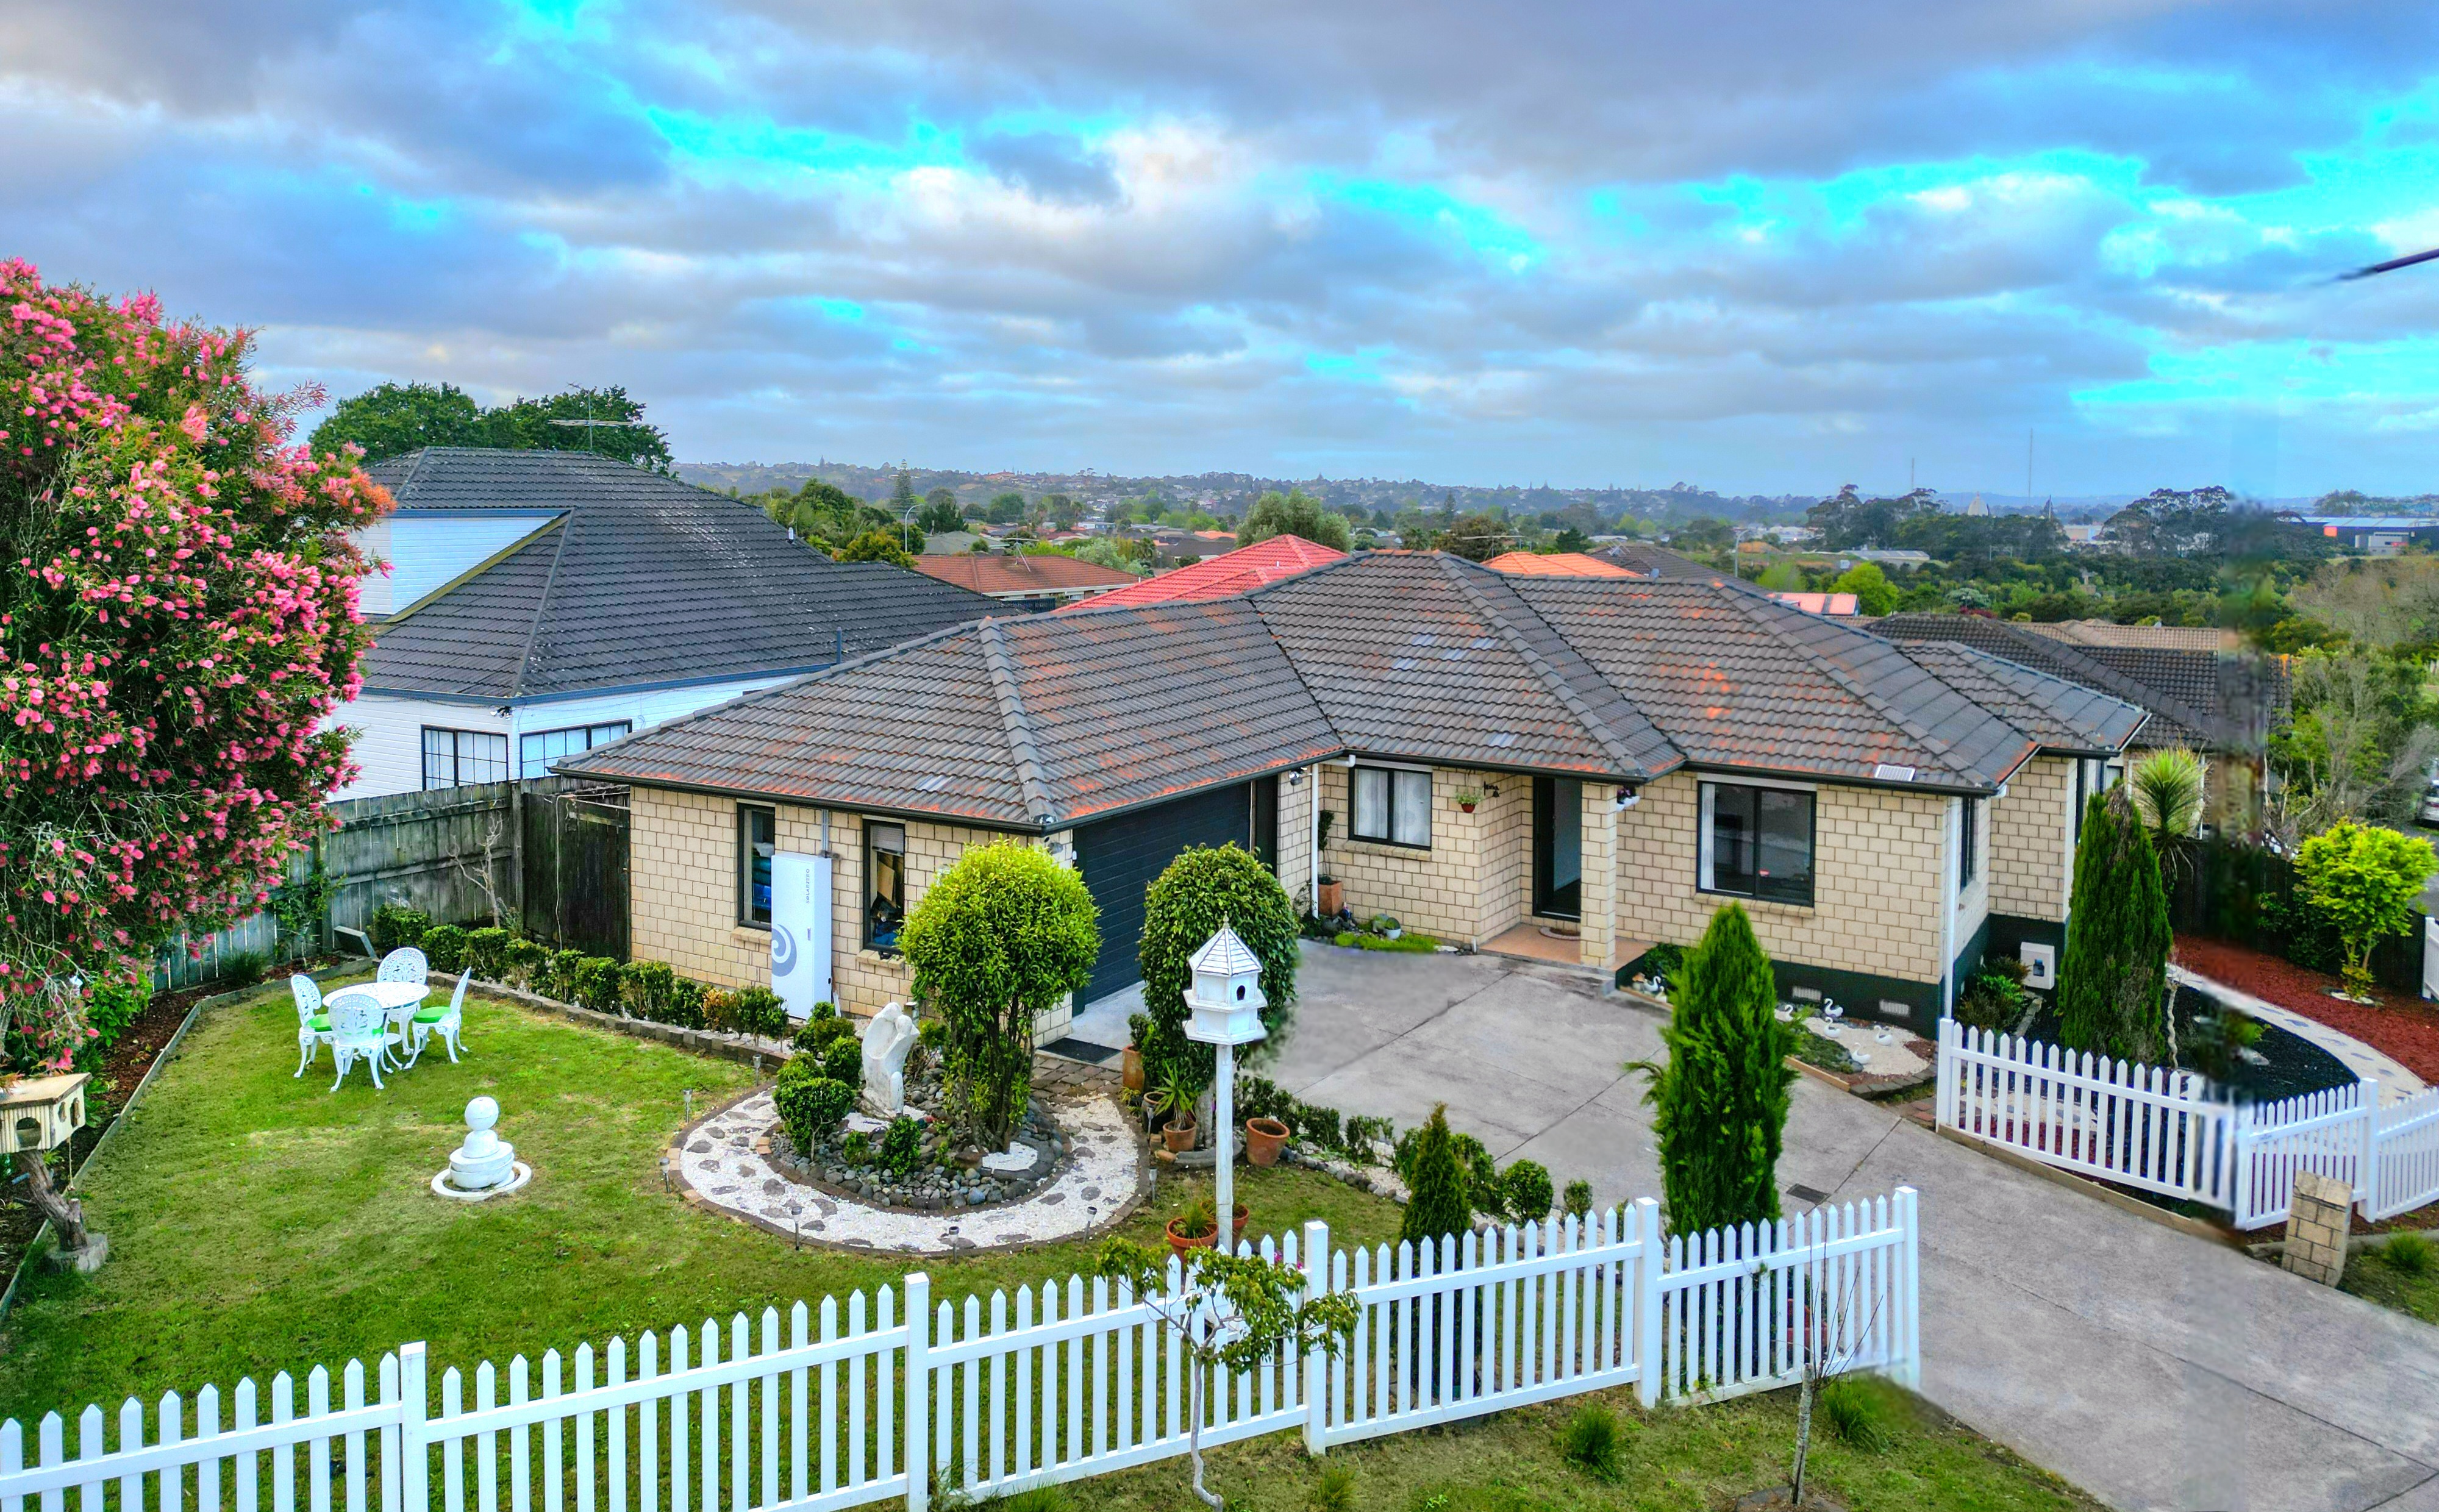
1227,993
43,1113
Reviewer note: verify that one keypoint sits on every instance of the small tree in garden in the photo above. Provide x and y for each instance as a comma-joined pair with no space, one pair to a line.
1231,1312
1001,936
2167,789
2364,881
177,614
1720,1098
2113,974
1184,906
1439,1197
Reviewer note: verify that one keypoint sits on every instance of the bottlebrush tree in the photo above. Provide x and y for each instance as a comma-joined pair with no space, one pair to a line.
178,614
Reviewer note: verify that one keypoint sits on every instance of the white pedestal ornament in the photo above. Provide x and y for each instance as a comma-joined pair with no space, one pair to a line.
1227,1003
886,1041
485,1165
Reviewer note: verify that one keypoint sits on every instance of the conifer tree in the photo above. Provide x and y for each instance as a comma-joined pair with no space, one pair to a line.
2114,979
1720,1098
1439,1203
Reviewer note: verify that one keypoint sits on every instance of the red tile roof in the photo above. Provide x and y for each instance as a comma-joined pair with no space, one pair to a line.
988,573
1225,575
1554,564
1818,603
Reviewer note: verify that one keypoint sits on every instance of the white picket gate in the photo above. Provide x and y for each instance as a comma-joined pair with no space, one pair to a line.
856,1407
2171,1132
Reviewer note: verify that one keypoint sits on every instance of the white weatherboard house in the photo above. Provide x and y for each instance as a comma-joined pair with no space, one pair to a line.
543,603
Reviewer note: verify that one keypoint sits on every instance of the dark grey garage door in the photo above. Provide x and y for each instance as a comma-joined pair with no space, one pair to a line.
1120,857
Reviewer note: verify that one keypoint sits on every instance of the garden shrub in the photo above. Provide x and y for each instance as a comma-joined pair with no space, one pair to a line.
1720,1100
444,947
1592,1442
1184,906
110,1005
2364,880
1524,1187
1439,1204
816,1033
810,1104
486,953
902,1145
1409,944
857,1149
243,969
596,983
1335,1490
2113,973
1578,1200
2410,1253
559,976
395,924
1363,1131
1863,1412
1003,935
525,963
1994,997
757,1010
842,1060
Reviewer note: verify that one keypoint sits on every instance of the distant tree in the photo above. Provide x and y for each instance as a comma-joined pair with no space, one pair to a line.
940,511
392,420
901,494
2382,602
2113,973
2357,738
1294,513
568,422
1570,539
1105,551
1869,585
1720,1100
1477,538
1007,509
1704,535
882,545
1847,520
1060,510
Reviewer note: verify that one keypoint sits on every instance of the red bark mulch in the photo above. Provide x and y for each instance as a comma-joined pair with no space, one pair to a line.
2405,1028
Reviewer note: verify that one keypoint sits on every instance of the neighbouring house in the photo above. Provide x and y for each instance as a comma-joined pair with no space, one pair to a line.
1590,765
539,603
2200,692
1644,559
1225,575
1030,582
1555,564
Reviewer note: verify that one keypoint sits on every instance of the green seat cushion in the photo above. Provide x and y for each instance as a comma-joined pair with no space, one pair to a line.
320,1024
431,1015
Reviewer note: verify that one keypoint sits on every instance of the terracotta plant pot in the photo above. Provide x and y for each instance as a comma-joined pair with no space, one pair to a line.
1333,899
1264,1139
1181,1246
1465,807
1236,1232
1179,1137
1131,1069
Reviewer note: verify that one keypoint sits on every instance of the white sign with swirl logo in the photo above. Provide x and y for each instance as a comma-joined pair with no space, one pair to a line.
800,931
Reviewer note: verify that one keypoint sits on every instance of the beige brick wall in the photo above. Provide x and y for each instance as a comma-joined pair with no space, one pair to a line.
1877,882
2028,853
1295,840
684,892
1473,882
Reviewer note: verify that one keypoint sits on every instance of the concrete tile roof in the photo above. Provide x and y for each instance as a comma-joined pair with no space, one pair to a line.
2066,717
640,580
1224,577
990,573
1555,564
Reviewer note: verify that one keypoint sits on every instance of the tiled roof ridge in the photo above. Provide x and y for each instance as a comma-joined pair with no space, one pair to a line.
1030,776
1550,677
541,609
1976,651
2107,678
1765,612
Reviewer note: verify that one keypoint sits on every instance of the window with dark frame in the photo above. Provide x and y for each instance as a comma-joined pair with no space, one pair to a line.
460,758
1758,843
885,886
1393,806
536,752
757,840
1967,868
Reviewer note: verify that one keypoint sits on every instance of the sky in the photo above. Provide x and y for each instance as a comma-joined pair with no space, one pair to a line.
1768,247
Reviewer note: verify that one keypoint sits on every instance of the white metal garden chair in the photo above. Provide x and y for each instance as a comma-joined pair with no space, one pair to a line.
359,1031
405,963
312,1019
448,1022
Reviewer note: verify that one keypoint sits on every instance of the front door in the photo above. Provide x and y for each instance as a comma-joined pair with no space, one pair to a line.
1557,847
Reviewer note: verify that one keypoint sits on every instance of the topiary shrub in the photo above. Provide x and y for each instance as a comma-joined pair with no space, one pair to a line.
486,953
1184,906
810,1104
1578,1200
600,983
2113,973
395,924
1439,1203
558,978
2364,880
444,947
1720,1101
758,1010
816,1033
1001,936
523,963
902,1145
1525,1188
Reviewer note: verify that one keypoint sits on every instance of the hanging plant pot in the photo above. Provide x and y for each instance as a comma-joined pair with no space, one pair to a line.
1264,1139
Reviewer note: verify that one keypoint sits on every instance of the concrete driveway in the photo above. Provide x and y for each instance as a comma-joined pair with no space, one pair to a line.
2153,1369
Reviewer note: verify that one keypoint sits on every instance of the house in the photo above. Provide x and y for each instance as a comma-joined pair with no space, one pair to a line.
1842,605
2199,693
1555,564
1031,582
542,602
2376,535
1225,575
1502,760
1644,559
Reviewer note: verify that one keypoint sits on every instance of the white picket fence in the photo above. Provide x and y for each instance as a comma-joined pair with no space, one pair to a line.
1060,1383
2172,1132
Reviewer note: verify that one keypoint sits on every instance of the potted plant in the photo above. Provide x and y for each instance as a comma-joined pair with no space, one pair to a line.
1172,1103
1196,1228
1333,899
1264,1138
1468,797
1131,1065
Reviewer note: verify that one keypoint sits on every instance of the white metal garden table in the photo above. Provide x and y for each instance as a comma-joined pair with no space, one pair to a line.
399,1000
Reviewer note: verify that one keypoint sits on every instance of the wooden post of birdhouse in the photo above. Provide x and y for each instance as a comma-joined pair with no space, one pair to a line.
36,1117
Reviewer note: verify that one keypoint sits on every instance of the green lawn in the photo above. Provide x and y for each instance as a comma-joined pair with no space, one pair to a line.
2371,1276
1683,1460
258,1222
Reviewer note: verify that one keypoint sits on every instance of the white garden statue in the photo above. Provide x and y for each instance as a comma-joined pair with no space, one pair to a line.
886,1041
